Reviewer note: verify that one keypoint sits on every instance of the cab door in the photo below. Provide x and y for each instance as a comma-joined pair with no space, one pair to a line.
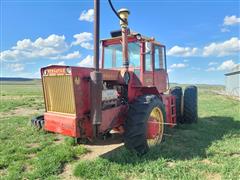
160,75
147,74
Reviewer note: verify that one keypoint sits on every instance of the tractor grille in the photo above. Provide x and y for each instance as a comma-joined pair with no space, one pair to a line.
59,95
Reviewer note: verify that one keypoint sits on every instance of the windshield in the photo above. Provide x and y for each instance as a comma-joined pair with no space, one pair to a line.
113,55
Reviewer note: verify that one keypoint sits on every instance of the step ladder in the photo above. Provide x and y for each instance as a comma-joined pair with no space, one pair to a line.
170,107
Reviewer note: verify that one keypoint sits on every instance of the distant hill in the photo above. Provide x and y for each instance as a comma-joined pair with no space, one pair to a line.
19,81
15,79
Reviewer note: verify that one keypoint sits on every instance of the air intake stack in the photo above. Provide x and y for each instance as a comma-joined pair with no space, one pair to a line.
124,13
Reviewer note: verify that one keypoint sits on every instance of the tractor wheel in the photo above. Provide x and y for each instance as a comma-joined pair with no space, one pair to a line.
177,92
143,111
190,111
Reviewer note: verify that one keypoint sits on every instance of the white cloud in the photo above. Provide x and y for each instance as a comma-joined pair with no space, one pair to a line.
169,70
179,65
87,15
36,74
16,67
87,45
228,47
10,55
224,29
212,63
182,51
62,63
40,48
74,55
211,69
225,66
196,68
83,39
86,62
231,20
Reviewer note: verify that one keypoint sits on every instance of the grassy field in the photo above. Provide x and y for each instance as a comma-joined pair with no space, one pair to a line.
209,149
25,152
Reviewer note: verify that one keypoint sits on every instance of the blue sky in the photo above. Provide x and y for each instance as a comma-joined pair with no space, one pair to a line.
202,37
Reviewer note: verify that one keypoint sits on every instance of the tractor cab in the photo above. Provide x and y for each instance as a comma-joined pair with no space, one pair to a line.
147,58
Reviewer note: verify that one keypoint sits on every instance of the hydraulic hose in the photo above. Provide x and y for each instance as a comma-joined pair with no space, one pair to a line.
115,12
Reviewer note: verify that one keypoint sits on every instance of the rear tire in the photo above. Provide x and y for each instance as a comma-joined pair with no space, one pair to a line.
135,125
177,92
190,111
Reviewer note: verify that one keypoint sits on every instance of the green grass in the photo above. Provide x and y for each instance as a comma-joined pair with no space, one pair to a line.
25,95
25,152
206,150
28,88
23,102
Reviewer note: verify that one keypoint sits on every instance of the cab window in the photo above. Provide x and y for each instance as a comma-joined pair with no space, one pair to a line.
148,57
159,56
113,55
148,62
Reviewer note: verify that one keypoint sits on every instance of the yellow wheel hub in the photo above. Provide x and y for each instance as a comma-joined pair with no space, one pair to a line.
156,116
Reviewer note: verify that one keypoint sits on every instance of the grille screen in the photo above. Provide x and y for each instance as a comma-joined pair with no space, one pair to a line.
59,95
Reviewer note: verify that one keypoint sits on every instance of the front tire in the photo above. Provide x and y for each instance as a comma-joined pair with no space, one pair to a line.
140,112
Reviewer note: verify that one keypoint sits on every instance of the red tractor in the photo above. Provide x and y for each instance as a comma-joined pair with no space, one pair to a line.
129,94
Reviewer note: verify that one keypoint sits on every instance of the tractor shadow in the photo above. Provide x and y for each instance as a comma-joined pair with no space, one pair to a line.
181,143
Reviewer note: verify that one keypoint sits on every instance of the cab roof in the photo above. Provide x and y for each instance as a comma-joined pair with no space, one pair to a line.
118,34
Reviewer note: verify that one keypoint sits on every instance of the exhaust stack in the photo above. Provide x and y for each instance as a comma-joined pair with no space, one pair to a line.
96,76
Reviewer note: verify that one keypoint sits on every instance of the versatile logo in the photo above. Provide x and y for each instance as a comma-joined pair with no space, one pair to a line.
54,72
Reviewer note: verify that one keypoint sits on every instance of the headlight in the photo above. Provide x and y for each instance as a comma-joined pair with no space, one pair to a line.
139,37
45,72
68,70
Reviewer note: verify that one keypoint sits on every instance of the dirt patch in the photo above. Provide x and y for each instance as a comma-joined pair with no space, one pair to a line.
98,150
59,139
33,145
95,150
68,172
236,154
30,156
171,164
11,97
224,93
22,112
214,176
28,168
3,172
206,161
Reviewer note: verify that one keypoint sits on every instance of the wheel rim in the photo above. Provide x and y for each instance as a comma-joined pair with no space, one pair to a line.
157,116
